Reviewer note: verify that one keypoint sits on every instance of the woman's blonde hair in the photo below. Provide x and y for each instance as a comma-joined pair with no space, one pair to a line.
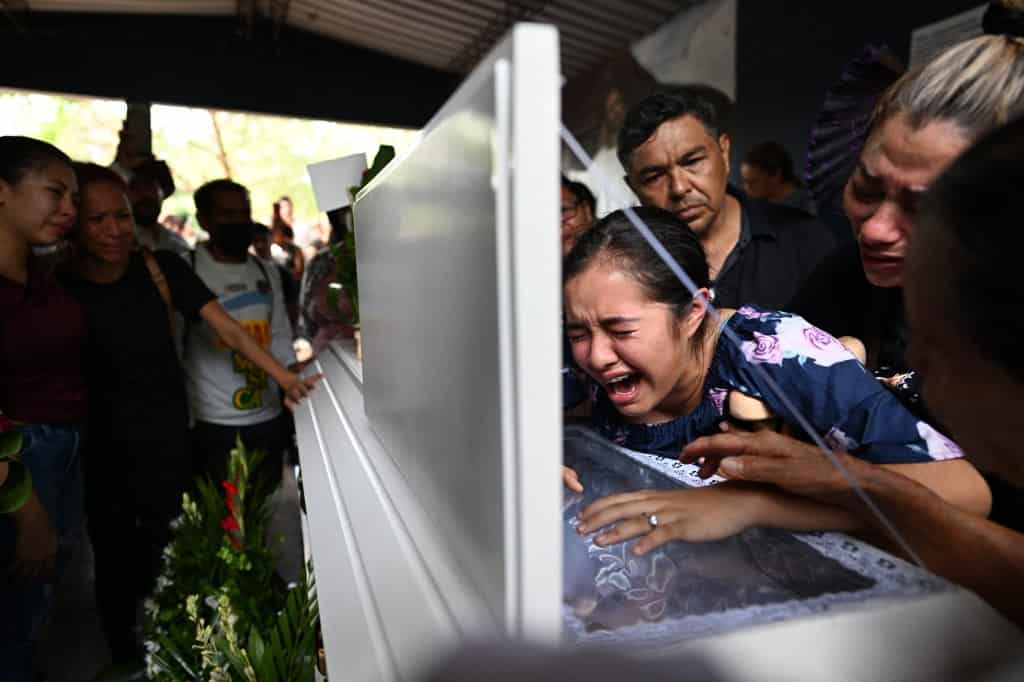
977,85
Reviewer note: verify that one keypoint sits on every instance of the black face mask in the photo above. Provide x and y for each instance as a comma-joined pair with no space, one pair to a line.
233,239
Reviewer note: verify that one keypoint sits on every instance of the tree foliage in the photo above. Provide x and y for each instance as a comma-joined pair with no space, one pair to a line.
267,154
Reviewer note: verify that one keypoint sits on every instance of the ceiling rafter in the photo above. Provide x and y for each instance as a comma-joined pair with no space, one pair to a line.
450,35
247,10
512,11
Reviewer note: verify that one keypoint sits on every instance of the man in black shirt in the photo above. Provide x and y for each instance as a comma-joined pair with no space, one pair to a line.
677,158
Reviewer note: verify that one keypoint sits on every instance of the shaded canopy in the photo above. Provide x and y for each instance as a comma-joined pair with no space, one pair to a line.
386,63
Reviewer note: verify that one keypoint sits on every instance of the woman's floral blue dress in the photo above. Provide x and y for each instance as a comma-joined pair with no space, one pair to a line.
845,404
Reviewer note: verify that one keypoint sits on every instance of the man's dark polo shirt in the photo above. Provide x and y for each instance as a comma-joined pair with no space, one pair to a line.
778,249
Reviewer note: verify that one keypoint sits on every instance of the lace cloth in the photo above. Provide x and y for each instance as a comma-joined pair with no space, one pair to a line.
686,590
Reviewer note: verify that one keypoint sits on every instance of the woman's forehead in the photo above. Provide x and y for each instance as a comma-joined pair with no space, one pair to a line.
911,157
604,288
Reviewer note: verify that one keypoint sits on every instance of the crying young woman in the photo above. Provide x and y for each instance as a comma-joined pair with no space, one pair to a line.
662,372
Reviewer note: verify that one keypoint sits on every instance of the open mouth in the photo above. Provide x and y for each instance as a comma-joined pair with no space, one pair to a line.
624,388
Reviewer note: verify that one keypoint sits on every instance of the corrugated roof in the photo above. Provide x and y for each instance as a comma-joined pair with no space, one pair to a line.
450,35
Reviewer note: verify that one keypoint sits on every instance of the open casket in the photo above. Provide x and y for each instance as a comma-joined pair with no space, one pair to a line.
687,590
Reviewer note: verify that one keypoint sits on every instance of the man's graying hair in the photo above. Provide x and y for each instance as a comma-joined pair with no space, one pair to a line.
977,85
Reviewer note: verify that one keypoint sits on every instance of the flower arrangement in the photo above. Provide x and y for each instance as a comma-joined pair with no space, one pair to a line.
15,479
219,610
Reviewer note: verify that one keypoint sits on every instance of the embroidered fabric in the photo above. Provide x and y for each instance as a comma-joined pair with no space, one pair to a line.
688,590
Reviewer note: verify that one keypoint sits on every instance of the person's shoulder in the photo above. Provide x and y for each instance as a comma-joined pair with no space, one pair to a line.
786,221
769,337
171,260
750,319
176,242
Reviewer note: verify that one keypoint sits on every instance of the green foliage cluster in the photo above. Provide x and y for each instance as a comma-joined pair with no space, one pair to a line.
345,252
267,154
219,610
16,483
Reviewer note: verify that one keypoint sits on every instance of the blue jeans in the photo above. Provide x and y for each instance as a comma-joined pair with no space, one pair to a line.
51,453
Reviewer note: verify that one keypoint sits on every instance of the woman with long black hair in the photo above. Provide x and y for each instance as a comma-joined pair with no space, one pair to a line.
42,393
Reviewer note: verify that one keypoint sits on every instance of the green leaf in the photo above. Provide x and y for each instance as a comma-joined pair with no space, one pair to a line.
169,647
256,648
10,444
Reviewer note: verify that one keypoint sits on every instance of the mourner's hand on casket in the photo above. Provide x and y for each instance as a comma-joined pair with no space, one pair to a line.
690,514
768,457
571,479
298,388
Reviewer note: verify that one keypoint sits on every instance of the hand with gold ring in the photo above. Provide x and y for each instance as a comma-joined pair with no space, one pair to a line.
660,516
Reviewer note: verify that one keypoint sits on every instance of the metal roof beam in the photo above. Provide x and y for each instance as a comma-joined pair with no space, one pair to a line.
514,10
246,10
278,16
10,7
357,21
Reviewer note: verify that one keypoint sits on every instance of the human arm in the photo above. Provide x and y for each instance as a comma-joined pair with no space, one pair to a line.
705,514
35,549
234,336
929,525
849,408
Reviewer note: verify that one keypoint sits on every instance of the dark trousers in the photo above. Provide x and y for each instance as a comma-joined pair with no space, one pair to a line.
133,491
212,443
51,453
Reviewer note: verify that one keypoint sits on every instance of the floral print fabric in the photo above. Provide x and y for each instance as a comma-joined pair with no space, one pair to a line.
823,381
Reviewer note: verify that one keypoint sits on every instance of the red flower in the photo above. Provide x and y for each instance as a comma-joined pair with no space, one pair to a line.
6,424
230,493
231,527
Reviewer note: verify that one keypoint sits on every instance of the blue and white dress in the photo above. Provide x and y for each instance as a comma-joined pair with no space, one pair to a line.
844,403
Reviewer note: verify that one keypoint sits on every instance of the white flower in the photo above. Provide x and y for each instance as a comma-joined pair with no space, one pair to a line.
176,522
211,601
169,552
162,583
152,669
151,646
151,608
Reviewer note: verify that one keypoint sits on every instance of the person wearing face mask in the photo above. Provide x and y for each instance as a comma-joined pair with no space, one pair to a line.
137,456
231,396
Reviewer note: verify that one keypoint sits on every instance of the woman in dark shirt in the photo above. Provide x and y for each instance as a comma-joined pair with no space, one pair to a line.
922,124
42,392
137,462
